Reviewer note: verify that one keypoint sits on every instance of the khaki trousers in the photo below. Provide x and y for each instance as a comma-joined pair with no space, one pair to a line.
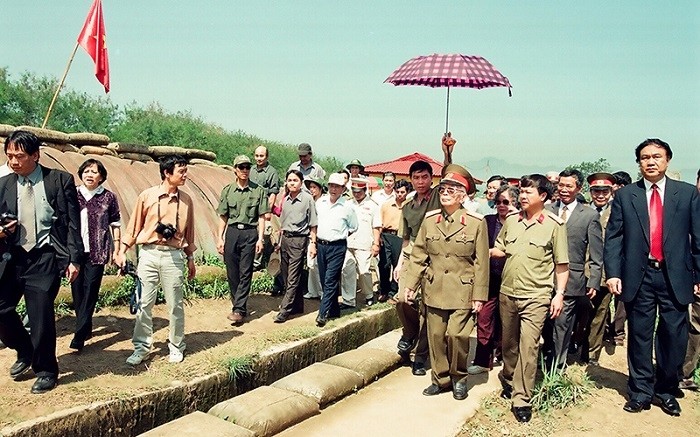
412,317
693,353
448,340
598,323
522,321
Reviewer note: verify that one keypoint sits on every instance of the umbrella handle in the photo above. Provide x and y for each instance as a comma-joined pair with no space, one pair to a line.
447,113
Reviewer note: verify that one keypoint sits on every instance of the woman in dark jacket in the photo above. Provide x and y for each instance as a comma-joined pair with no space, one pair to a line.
99,227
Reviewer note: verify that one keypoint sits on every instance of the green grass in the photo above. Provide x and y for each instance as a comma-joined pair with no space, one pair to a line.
239,367
558,390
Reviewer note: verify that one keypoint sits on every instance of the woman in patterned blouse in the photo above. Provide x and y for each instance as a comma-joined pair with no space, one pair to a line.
99,227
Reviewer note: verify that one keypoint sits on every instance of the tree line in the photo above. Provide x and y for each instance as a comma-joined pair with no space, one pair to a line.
25,99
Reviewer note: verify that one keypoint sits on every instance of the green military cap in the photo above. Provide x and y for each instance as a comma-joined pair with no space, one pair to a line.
357,163
314,180
241,159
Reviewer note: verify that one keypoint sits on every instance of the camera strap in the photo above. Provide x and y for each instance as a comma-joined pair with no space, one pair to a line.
177,211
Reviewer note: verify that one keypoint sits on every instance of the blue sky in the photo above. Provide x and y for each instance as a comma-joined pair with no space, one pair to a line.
590,79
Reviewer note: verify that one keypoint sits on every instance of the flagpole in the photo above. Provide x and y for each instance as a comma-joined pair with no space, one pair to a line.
60,85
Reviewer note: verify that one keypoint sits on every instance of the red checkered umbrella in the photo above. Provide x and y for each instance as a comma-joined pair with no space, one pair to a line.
449,71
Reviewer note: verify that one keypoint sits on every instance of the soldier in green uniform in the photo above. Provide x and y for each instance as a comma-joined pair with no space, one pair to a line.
451,255
536,249
241,210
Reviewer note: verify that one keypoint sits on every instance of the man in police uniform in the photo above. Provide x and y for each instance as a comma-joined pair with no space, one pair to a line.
601,185
241,210
535,246
363,245
451,253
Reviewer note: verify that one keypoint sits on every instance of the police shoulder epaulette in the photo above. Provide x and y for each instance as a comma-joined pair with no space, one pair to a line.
432,213
475,214
554,217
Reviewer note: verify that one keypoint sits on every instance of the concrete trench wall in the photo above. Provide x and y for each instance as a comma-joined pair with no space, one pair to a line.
135,415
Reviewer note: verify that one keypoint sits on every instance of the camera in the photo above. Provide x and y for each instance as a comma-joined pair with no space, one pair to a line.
6,218
166,230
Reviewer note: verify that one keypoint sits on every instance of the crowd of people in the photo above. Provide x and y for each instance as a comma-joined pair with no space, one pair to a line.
533,266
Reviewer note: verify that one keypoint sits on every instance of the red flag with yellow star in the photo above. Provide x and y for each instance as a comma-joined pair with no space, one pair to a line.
93,39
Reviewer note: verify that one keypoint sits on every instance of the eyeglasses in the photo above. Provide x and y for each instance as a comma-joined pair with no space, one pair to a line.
446,189
244,167
505,202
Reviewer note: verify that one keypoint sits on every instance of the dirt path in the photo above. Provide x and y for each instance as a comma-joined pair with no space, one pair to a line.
99,371
600,415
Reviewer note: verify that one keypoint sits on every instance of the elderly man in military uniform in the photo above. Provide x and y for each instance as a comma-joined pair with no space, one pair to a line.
242,209
451,253
535,247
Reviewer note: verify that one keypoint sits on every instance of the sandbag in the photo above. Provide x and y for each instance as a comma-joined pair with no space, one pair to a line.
136,157
48,135
370,363
88,138
201,154
129,148
266,410
197,161
323,382
6,130
62,147
160,151
95,150
197,424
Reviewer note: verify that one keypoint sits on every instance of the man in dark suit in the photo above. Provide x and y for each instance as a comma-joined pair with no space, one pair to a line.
652,247
585,244
42,245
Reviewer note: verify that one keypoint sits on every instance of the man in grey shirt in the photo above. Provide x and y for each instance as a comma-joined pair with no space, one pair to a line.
306,164
299,222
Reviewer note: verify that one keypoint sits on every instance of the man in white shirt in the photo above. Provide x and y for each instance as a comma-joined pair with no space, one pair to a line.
387,192
336,221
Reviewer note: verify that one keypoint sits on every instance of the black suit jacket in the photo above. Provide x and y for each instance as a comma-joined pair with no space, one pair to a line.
63,198
585,242
627,238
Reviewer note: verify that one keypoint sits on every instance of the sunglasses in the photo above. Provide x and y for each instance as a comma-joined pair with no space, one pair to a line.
505,202
244,167
446,189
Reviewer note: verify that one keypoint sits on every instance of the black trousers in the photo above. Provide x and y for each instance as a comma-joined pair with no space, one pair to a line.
35,276
85,290
293,255
239,252
388,258
670,343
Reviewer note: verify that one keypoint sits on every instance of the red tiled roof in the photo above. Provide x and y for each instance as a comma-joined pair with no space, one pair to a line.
401,165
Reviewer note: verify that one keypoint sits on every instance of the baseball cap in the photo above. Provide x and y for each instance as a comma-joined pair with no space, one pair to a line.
304,149
241,159
336,179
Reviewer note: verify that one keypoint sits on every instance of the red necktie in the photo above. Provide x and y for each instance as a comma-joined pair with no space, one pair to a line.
656,224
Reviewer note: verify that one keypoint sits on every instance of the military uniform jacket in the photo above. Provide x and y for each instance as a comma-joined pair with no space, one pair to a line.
451,254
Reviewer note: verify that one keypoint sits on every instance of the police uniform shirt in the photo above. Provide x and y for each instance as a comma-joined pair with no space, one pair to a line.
368,218
532,249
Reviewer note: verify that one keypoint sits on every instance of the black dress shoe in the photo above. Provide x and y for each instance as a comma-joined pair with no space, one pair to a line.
418,369
433,390
406,344
43,384
77,344
19,368
459,390
321,321
280,318
669,405
633,406
507,391
522,414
